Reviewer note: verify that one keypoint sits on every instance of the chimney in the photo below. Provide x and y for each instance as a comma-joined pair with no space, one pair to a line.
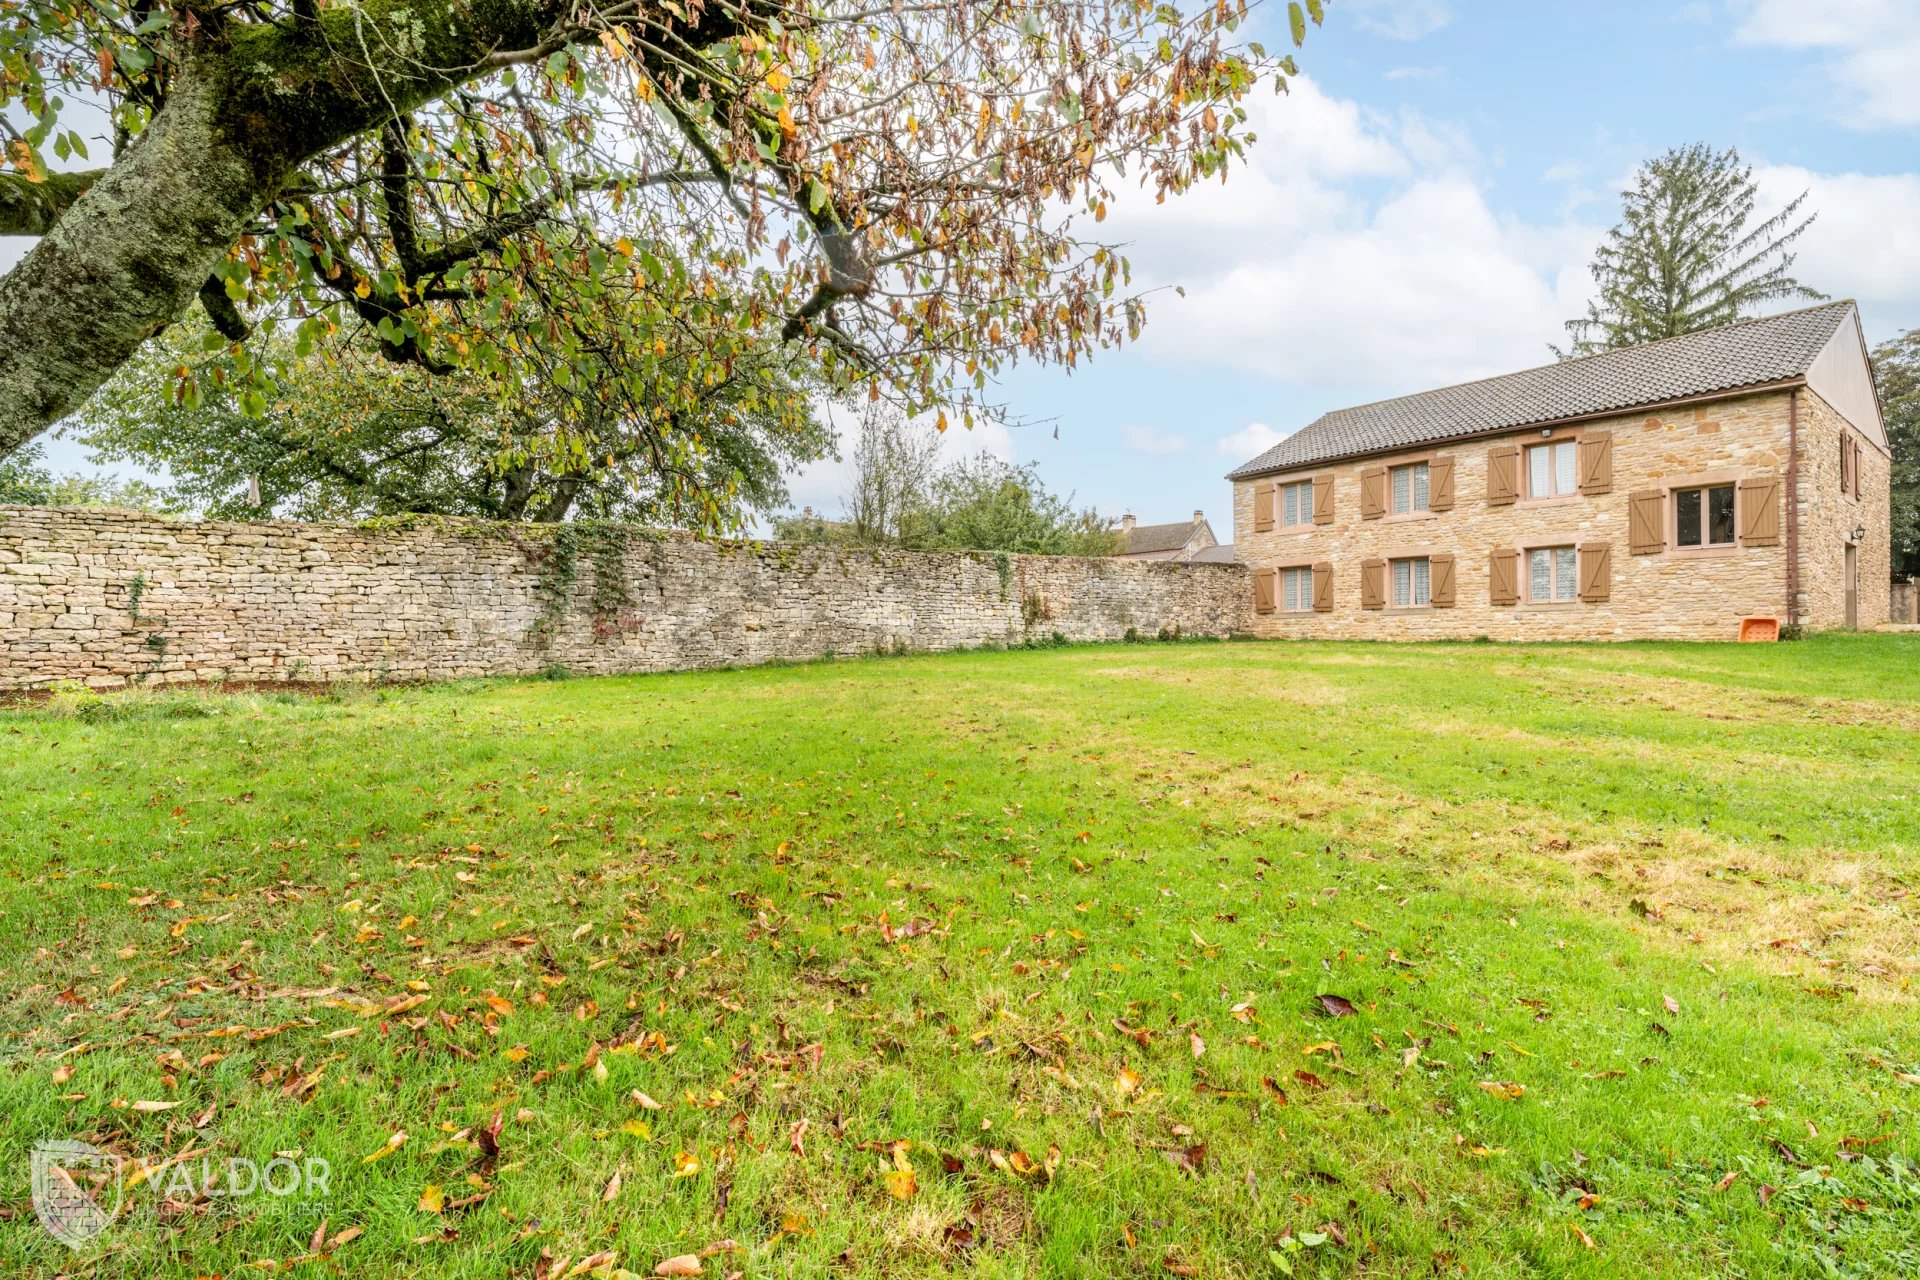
1198,517
807,512
1126,523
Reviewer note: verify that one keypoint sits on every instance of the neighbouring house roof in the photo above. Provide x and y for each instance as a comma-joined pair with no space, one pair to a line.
1213,555
1749,353
1151,539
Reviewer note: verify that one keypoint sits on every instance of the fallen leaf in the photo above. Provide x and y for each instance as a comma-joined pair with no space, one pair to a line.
1194,1042
643,1101
613,1188
686,1264
1127,1082
1336,1006
1728,1179
1672,1005
1506,1090
387,1148
1191,1159
432,1200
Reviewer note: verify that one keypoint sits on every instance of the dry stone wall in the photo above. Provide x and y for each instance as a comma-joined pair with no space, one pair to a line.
112,597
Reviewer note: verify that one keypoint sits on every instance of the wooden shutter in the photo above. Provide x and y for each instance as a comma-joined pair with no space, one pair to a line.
1852,487
1323,499
1849,462
1440,484
1647,522
1373,493
1503,474
1503,576
1323,587
1596,570
1373,584
1596,462
1760,511
1262,508
1440,583
1263,584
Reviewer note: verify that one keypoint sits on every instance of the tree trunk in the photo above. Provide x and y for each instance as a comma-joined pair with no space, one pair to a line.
123,262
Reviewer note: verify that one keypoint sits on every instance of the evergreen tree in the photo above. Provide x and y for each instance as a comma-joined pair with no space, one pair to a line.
1687,255
1896,371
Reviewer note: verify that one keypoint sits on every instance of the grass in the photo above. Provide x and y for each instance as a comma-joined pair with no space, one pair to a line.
1000,964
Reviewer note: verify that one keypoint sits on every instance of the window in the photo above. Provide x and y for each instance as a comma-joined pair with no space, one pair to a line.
1703,517
1550,470
1412,583
1296,503
1296,590
1551,575
1410,489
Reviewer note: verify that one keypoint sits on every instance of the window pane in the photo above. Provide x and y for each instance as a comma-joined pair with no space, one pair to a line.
1563,477
1402,490
1422,593
1686,517
1289,512
1539,478
1565,586
1402,583
1419,486
1539,575
1720,515
1289,587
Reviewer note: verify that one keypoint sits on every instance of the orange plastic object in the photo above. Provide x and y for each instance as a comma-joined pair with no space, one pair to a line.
1759,629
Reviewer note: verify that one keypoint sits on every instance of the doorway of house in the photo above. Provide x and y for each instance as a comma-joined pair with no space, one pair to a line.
1853,587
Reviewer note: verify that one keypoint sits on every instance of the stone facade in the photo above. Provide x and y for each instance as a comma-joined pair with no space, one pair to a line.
1828,519
1674,593
110,598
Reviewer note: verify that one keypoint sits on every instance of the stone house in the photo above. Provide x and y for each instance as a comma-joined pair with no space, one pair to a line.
1183,541
1670,490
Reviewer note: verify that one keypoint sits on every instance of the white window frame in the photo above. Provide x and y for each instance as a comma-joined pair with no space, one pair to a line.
1301,491
1419,583
1706,516
1562,588
1297,579
1559,484
1419,481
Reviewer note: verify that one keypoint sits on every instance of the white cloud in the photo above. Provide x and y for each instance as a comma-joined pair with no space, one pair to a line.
1399,19
1871,47
1251,441
1147,440
1355,252
1864,244
1414,73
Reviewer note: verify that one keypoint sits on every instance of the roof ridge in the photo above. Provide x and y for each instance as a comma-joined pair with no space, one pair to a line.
1597,355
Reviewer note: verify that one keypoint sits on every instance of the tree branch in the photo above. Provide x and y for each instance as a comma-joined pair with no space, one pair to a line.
31,208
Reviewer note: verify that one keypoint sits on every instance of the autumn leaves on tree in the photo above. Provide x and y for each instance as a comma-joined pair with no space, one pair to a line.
634,213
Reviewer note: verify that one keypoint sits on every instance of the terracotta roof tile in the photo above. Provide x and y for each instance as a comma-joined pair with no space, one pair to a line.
1745,354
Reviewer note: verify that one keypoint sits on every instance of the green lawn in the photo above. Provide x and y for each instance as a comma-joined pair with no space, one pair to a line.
1009,964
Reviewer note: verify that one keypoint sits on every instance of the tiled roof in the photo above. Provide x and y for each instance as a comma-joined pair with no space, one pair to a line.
1219,554
1145,539
1745,354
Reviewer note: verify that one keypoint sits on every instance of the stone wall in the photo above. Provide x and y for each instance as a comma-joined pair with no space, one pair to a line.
1829,518
1677,594
1905,605
111,597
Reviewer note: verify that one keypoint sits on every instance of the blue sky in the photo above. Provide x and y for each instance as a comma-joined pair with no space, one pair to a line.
1421,207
